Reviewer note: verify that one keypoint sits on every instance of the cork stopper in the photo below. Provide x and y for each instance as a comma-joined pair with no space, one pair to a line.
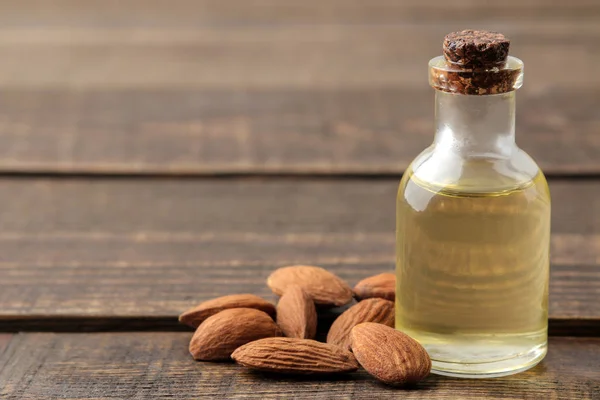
476,63
476,49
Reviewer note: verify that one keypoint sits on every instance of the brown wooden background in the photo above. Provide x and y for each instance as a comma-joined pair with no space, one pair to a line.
154,154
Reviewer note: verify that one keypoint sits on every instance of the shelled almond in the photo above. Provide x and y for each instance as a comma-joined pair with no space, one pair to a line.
321,285
389,355
296,314
218,336
382,285
242,327
295,356
380,311
195,316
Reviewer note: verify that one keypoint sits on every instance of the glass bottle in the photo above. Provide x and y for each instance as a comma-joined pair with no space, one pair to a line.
473,230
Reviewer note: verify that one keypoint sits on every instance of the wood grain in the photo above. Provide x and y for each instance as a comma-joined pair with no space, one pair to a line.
157,365
97,252
324,87
279,56
274,90
216,132
4,340
152,13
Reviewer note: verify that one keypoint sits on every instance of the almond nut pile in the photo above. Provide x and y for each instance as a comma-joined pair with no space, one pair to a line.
260,336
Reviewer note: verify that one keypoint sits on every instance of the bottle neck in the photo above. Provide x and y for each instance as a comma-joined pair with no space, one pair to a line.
475,126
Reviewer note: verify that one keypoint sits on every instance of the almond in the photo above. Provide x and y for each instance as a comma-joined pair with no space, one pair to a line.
371,310
389,355
295,356
296,314
194,316
219,335
321,285
382,285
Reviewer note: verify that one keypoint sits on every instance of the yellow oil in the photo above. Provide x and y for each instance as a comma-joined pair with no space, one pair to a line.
472,268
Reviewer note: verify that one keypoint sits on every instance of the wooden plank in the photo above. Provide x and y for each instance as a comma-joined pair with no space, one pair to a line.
157,365
124,254
96,87
4,340
191,13
279,56
207,132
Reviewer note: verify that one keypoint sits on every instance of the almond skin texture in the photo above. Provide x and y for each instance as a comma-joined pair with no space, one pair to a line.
195,316
295,356
321,285
296,314
389,355
219,335
380,311
382,285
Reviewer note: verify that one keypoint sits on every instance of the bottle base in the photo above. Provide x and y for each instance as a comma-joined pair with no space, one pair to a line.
485,369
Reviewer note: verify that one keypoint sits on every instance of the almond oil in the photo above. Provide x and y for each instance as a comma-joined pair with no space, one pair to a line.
473,221
473,273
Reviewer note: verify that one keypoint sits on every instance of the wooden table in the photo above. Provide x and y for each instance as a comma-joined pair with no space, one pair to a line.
155,154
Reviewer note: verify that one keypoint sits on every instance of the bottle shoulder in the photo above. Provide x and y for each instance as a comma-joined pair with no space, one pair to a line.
449,169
